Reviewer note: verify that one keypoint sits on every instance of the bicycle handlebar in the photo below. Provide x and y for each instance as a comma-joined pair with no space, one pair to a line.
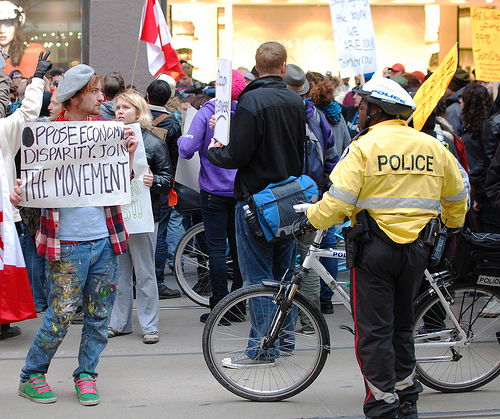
302,208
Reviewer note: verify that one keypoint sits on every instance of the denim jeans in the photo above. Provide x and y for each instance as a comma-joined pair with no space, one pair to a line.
330,264
259,262
35,265
170,225
88,269
218,219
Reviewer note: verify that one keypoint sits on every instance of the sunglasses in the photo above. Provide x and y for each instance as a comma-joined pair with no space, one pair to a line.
8,22
55,83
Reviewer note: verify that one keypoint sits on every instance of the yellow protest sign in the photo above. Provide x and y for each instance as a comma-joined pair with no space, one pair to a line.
485,24
428,95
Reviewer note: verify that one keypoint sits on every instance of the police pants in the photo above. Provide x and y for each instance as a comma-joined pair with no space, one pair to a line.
384,283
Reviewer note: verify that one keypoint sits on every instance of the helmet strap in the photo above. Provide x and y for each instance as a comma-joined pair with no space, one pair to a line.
369,117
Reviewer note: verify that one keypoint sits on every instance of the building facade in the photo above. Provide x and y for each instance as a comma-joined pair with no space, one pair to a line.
104,33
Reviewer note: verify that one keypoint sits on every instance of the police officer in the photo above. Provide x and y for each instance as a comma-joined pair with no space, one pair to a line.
399,178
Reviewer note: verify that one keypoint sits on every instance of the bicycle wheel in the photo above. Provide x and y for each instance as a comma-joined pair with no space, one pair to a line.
294,362
191,267
465,367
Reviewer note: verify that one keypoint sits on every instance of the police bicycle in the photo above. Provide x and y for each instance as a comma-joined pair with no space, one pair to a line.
191,267
457,338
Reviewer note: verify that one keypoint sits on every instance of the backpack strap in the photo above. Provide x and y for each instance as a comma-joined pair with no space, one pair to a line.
160,118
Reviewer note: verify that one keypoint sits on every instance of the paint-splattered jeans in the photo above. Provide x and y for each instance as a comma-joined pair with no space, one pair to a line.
89,269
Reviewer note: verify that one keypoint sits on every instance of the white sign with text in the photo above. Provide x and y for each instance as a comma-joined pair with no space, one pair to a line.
223,100
74,164
354,36
138,215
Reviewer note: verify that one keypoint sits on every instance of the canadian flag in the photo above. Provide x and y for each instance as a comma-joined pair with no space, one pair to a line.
162,57
16,300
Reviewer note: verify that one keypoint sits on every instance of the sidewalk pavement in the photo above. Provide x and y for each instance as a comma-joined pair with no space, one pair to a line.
170,379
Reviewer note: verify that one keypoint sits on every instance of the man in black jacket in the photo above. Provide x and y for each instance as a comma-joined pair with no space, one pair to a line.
266,146
157,95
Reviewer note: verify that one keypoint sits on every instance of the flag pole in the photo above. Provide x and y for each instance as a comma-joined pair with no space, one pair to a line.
138,41
135,63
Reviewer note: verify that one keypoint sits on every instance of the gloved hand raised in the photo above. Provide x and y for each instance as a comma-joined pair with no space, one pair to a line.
43,65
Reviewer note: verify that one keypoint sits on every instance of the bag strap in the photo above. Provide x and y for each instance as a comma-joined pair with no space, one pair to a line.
159,118
306,154
246,195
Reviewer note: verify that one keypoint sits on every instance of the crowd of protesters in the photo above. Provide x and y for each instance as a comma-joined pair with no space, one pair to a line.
466,122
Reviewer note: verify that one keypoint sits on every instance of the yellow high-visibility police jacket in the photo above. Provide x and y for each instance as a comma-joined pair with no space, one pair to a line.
400,176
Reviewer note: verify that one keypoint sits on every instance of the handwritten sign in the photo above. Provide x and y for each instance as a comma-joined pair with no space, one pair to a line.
74,164
354,36
432,90
222,100
485,25
138,215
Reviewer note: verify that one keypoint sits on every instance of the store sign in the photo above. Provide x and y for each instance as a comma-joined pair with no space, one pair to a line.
354,36
485,25
432,90
223,101
74,164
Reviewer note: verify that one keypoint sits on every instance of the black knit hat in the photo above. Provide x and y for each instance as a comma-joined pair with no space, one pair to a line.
459,80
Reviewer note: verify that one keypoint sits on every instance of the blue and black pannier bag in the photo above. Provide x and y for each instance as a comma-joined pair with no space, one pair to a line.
274,207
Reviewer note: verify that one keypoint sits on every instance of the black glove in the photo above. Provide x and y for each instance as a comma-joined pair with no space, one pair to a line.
43,65
305,225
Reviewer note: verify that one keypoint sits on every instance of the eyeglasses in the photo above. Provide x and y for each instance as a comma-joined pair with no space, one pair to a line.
55,83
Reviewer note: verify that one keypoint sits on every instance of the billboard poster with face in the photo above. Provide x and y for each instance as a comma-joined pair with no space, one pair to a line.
28,27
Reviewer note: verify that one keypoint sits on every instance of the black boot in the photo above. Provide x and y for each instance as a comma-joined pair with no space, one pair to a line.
8,331
408,410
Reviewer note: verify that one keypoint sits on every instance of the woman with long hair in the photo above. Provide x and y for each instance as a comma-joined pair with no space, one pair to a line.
476,104
23,56
481,140
131,108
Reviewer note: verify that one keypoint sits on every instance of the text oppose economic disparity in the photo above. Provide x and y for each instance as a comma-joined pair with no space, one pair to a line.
74,164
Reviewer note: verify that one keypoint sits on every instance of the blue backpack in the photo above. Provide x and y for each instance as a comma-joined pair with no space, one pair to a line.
313,150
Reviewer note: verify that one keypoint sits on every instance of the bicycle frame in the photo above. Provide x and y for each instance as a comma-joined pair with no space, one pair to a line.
312,261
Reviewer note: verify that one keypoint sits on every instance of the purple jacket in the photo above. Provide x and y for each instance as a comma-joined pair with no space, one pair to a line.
212,179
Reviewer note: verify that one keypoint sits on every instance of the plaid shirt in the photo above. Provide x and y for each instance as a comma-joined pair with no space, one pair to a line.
48,244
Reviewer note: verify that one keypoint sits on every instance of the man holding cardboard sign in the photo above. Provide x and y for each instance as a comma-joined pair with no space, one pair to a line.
81,245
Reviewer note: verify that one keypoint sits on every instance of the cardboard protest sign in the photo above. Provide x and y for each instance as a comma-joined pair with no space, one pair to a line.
485,25
188,119
223,101
354,36
138,215
432,90
74,164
